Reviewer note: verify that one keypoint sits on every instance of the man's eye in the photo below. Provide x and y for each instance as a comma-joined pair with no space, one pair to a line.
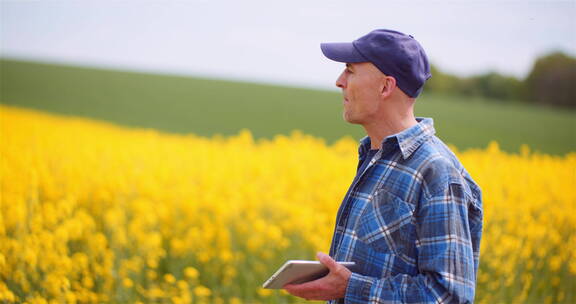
349,71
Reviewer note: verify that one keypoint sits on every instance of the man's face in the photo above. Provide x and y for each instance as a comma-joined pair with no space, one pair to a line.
361,85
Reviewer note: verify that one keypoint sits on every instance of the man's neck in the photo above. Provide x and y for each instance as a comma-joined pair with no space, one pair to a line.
386,126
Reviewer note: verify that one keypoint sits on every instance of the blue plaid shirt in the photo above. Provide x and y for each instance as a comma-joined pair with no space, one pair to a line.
412,222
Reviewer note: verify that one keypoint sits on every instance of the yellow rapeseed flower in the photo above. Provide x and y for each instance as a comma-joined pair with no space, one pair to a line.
191,272
202,291
169,278
126,282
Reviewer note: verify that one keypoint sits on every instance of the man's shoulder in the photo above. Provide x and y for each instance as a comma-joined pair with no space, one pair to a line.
439,167
433,153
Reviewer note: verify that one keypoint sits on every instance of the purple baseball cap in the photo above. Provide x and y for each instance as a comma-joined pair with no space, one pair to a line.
393,53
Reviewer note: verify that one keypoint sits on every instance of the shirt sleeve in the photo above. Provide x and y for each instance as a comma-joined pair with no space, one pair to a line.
446,269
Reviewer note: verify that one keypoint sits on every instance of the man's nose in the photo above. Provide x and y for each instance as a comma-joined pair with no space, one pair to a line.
341,81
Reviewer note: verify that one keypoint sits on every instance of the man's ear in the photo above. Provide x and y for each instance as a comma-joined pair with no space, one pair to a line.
387,86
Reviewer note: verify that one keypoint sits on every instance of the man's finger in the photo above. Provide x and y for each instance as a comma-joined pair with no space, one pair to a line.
311,285
327,261
308,290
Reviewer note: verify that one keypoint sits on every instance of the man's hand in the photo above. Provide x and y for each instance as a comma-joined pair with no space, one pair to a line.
332,286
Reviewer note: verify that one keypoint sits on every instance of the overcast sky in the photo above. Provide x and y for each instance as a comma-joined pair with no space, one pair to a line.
278,41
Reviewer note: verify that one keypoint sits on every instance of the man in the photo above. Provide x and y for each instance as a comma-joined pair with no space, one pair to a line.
412,218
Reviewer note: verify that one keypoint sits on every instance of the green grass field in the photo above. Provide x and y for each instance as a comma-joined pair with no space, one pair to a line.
206,107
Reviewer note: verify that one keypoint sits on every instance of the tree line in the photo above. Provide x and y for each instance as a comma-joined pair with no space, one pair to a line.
552,81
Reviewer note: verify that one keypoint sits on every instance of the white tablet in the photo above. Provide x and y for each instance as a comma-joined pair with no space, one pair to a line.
298,271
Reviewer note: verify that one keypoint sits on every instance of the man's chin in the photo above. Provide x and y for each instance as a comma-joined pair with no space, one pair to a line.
349,119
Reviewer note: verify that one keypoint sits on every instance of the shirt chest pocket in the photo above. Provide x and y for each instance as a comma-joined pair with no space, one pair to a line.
387,224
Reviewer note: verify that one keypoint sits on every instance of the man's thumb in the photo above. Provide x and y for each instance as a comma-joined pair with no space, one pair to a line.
327,261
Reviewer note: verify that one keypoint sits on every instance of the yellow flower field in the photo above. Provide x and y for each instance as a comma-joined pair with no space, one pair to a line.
92,212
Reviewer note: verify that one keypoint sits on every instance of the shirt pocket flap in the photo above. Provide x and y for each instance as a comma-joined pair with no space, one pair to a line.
386,223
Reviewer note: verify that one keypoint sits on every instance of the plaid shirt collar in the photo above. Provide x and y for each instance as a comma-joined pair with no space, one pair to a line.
407,141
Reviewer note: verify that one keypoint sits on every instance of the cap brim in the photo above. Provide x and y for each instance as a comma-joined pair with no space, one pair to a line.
342,52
